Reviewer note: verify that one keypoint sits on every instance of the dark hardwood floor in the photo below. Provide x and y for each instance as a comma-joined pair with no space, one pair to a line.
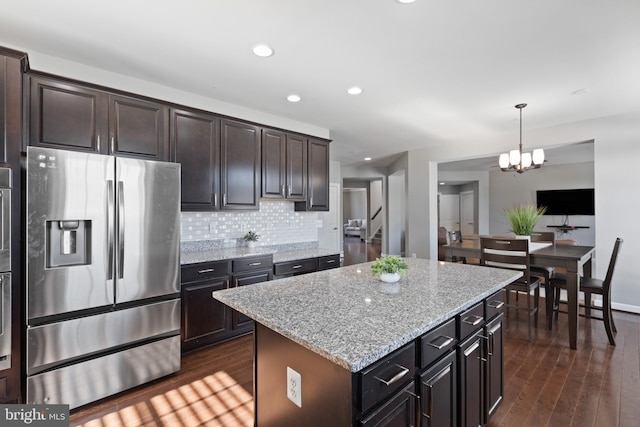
356,251
546,383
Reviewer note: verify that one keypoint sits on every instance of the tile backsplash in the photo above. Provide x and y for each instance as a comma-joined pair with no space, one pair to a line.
276,222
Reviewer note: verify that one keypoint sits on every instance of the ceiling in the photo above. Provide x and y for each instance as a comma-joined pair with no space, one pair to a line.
433,72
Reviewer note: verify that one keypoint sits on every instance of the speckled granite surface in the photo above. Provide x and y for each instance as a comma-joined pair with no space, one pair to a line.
194,252
350,317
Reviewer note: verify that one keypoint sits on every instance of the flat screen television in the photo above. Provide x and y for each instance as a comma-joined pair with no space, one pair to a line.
567,202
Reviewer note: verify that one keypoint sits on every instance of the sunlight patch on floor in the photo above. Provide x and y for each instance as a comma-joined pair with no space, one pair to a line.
215,400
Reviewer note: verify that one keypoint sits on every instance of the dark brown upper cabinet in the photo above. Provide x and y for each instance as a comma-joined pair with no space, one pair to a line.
195,144
317,177
138,128
240,165
284,165
71,116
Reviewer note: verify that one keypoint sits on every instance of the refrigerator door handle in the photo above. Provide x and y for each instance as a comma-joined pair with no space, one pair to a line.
110,229
120,230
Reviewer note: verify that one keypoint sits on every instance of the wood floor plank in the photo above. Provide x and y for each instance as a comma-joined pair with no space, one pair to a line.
546,383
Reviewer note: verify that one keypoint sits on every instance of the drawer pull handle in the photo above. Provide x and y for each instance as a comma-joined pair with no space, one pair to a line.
206,270
444,341
331,261
404,371
476,320
497,304
295,267
253,264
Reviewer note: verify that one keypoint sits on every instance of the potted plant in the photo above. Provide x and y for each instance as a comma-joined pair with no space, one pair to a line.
523,218
389,268
251,237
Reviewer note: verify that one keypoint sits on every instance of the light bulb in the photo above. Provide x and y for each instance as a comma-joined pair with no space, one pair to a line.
514,157
538,156
504,160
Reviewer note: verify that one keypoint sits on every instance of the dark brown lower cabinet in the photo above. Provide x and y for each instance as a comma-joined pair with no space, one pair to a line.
239,322
439,393
471,381
397,411
204,319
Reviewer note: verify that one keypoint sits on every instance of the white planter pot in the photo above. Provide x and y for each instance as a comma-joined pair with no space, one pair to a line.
390,277
524,238
251,244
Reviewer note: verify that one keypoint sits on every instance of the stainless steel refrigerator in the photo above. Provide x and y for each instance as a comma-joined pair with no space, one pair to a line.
103,274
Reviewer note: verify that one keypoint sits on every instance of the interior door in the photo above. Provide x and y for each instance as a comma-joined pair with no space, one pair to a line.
329,236
449,207
467,220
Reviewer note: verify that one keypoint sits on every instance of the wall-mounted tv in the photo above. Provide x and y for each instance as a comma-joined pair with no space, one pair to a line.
567,202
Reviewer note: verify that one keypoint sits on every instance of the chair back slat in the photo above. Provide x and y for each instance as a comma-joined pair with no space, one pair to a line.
543,236
606,284
506,253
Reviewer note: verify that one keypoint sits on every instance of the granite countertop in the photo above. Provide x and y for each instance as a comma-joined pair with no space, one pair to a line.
280,253
351,318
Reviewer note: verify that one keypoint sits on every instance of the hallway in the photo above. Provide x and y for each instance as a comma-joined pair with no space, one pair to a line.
356,251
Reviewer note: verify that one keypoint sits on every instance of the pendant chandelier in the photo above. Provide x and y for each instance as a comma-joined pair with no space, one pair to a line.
516,160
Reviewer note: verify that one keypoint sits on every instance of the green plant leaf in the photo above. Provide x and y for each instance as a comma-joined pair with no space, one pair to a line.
523,218
389,264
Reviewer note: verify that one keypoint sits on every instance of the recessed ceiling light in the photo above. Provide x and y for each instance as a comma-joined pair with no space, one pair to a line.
367,158
442,183
293,98
355,90
405,1
262,50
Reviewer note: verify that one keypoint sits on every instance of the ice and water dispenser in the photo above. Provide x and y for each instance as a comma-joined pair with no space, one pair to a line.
69,243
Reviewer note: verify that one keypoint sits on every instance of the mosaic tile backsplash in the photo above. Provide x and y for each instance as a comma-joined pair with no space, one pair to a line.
276,222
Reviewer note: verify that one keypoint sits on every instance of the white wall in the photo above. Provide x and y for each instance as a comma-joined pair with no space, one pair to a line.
354,202
510,188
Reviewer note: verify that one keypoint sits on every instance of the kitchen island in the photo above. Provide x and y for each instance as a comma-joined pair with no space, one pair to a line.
339,347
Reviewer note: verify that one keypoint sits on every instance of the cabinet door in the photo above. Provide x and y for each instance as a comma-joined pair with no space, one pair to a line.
67,116
137,128
296,164
471,383
273,164
195,145
240,165
494,375
205,320
439,392
240,322
397,411
317,177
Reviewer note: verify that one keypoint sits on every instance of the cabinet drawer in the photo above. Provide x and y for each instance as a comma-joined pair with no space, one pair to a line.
384,377
203,271
252,263
437,342
470,320
296,267
329,261
493,305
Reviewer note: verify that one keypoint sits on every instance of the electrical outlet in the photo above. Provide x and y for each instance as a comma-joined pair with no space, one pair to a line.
294,387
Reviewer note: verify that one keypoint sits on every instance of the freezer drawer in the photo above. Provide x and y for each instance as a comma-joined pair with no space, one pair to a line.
85,382
66,341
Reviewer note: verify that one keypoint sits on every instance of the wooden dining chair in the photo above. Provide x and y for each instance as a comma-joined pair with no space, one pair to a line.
558,272
590,286
513,254
543,272
456,236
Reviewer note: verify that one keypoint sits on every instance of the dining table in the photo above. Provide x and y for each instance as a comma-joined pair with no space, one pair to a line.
575,260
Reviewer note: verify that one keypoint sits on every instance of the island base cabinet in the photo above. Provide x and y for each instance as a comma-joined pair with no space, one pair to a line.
398,411
439,393
471,381
494,374
323,388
